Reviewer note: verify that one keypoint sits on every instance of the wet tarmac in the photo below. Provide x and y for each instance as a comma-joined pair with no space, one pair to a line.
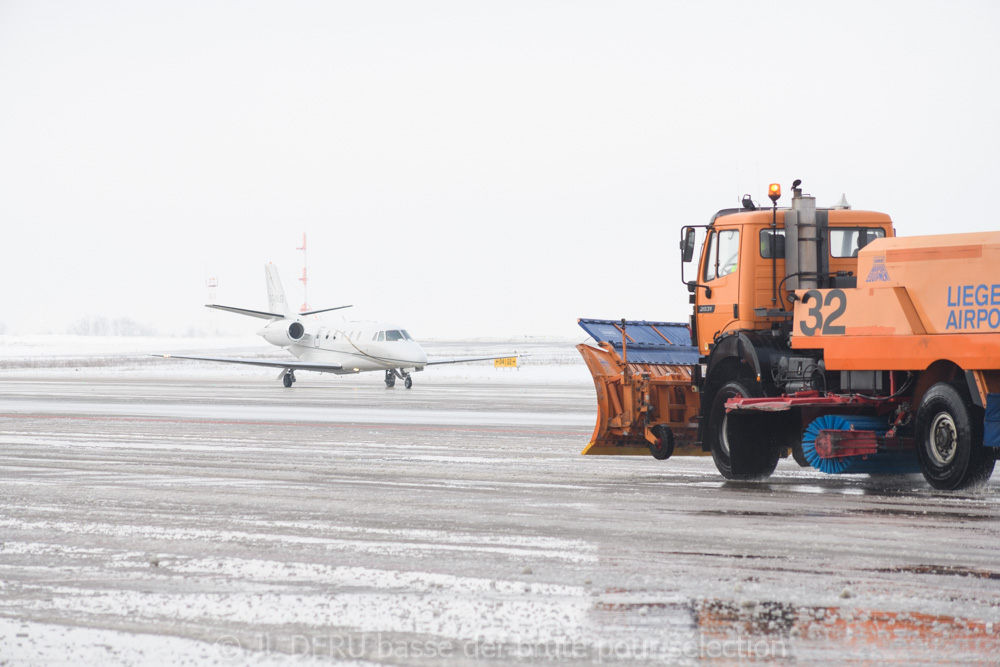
231,521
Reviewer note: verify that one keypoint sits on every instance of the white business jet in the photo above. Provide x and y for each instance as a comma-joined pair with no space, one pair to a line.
345,348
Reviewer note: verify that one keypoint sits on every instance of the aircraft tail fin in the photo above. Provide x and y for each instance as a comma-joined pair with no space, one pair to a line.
276,301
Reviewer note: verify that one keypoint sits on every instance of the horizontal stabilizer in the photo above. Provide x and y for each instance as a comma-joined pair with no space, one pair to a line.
270,363
322,310
243,311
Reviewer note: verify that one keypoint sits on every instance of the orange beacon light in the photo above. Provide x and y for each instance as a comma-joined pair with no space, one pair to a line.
774,192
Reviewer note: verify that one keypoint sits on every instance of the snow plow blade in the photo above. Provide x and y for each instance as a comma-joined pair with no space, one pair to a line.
646,402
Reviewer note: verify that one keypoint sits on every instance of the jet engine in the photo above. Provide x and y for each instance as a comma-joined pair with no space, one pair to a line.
283,332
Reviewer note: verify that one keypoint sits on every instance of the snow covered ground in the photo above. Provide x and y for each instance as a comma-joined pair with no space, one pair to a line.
159,512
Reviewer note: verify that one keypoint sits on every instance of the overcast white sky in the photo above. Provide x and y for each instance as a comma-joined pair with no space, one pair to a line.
461,168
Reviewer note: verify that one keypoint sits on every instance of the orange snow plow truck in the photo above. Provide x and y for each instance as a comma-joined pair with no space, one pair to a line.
815,333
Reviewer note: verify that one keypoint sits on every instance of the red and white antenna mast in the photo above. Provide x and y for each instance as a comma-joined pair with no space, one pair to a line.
305,277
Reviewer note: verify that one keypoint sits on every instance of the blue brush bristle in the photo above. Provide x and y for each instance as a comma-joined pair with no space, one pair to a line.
897,462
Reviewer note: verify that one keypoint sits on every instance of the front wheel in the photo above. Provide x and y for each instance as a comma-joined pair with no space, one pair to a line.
740,447
663,448
950,439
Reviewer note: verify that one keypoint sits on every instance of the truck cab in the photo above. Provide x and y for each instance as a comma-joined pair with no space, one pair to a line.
741,281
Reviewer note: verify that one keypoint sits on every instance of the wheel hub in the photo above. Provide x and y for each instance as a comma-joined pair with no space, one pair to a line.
944,436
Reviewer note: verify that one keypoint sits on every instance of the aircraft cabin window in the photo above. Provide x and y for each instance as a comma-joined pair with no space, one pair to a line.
393,335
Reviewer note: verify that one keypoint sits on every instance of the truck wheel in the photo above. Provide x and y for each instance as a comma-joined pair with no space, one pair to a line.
665,449
799,455
950,439
745,452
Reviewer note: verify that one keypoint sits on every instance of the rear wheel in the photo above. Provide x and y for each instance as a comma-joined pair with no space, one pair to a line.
740,448
950,439
799,455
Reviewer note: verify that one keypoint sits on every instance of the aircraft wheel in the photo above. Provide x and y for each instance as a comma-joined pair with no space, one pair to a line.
949,432
408,382
287,380
390,380
740,449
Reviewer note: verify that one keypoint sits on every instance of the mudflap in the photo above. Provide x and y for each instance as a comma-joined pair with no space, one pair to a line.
991,429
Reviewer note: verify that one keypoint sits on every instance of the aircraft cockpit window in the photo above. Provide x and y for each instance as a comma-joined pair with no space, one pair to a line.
381,336
393,335
406,335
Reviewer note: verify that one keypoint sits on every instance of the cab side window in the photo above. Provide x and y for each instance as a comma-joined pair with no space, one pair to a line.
723,254
772,243
847,241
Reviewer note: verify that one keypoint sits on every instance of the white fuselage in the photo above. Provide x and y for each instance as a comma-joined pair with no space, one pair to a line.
356,346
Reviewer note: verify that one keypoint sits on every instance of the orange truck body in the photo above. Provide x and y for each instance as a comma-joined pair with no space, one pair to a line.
919,300
808,324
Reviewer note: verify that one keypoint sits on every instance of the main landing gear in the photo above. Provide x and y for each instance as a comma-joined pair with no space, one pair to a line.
288,378
392,374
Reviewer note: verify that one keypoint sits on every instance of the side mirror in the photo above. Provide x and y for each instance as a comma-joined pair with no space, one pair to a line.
687,245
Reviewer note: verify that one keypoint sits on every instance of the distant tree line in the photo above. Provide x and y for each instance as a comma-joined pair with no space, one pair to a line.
102,326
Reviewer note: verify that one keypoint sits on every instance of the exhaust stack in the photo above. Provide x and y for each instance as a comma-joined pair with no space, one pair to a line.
806,261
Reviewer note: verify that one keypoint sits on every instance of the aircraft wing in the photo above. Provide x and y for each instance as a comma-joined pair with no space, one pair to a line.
270,363
465,360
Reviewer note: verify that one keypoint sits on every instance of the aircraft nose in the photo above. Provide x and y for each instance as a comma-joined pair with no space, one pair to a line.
419,354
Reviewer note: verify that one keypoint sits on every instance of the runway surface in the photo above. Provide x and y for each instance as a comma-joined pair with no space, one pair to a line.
231,521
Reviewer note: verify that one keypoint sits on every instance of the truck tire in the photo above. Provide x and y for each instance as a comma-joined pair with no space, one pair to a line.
665,449
757,456
949,431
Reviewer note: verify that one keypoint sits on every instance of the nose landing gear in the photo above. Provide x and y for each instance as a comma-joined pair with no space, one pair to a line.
392,374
